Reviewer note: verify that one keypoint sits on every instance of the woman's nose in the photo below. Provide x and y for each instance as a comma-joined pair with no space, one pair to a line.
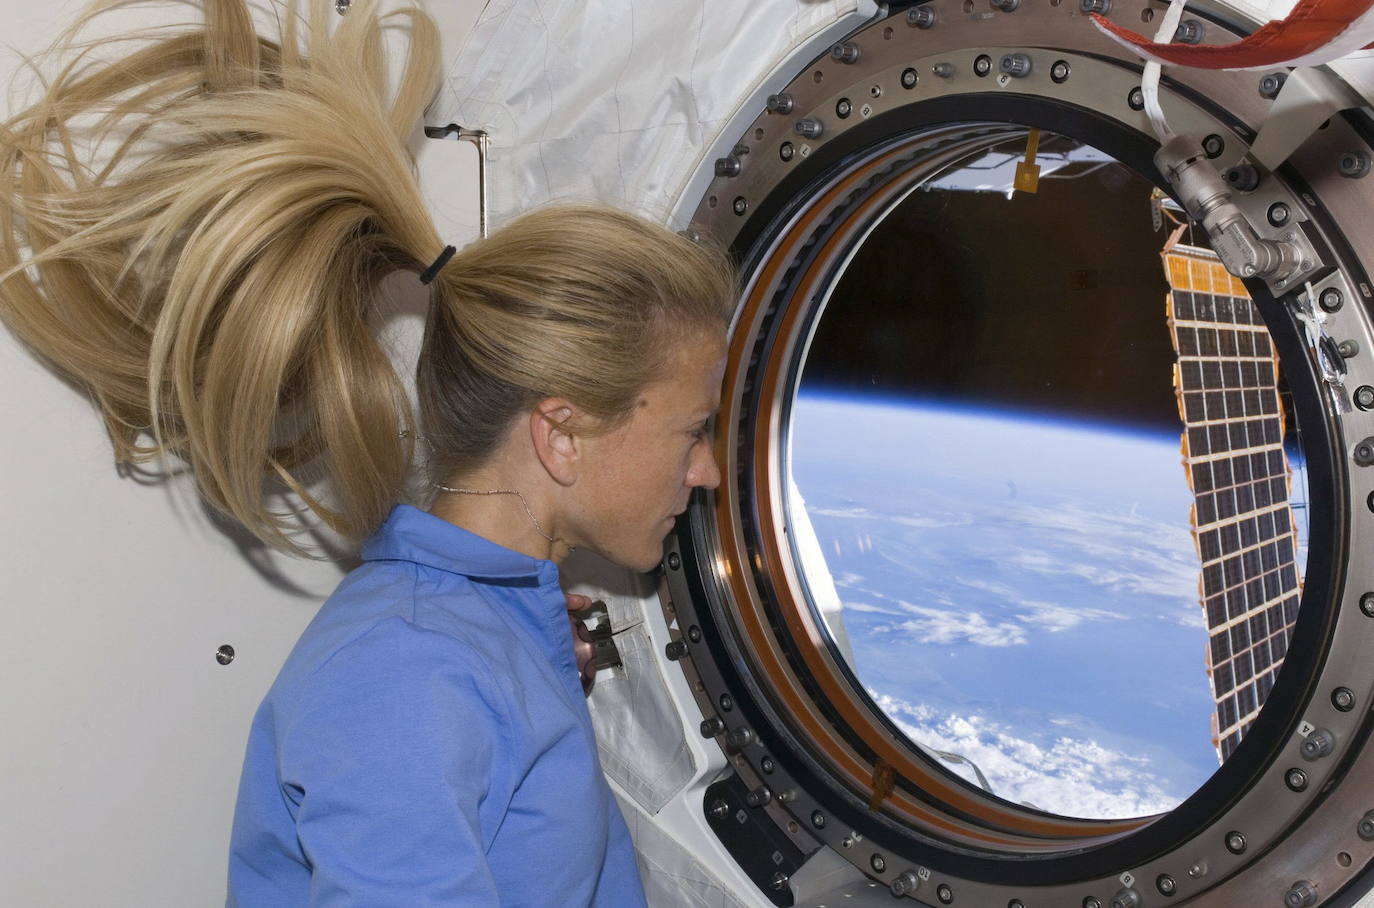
704,472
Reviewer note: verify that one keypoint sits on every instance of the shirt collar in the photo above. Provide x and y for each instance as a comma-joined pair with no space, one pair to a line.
410,534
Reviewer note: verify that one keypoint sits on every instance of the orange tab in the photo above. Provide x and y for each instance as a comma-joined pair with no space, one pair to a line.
883,777
1027,177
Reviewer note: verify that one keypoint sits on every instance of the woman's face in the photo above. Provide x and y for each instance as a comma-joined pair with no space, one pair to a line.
635,480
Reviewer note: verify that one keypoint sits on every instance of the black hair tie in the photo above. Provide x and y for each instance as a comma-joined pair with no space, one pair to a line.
430,273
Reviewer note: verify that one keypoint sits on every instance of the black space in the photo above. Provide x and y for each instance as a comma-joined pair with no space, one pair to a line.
1052,303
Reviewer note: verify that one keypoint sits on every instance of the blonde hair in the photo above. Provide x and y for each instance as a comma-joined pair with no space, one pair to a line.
209,281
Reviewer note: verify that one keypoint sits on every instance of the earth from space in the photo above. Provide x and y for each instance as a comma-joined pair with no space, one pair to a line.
1019,591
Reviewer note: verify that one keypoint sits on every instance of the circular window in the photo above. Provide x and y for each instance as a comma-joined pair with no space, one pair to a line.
1029,578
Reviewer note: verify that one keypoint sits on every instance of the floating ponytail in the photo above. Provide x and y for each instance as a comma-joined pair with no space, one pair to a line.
195,232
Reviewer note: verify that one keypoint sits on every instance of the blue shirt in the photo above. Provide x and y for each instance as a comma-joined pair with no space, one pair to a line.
428,743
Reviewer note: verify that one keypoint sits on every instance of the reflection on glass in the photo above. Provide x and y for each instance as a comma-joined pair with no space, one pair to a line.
988,498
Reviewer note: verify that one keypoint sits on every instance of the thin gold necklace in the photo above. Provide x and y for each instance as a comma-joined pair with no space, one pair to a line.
523,503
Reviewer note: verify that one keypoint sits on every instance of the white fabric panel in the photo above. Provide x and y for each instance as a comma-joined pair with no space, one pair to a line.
672,877
614,100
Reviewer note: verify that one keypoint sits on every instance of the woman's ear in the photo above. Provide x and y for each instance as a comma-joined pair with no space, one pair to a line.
557,448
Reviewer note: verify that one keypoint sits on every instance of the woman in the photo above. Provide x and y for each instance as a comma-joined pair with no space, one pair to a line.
196,232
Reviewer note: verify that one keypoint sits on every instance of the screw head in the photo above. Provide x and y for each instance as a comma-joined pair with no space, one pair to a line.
905,883
767,765
843,108
1092,902
1365,828
818,819
720,809
786,151
727,702
1270,84
1364,397
1060,72
1166,884
740,206
675,650
1367,604
1279,214
712,727
1197,870
224,655
341,6
878,863
944,893
943,70
1235,842
759,797
982,65
1213,146
1136,99
1343,698
909,78
1353,164
779,881
1331,299
694,634
1348,348
1101,7
1295,779
674,561
920,17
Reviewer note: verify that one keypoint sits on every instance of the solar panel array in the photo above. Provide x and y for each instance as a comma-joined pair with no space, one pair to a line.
1226,380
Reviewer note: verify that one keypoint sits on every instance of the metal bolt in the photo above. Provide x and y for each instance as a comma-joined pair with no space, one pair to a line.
224,655
1243,177
712,726
675,650
1353,164
1005,6
1126,898
759,797
1331,299
809,127
920,17
1136,99
1197,870
1092,901
1189,31
877,863
843,108
767,765
846,52
780,103
905,883
943,70
740,205
727,702
787,795
1300,895
1101,7
786,151
1213,146
818,819
1248,269
1364,452
1367,604
909,78
1016,903
740,737
1166,884
1364,397
944,893
1270,85
1295,779
1235,842
1018,66
982,65
720,809
1279,214
1348,348
1343,698
341,6
727,167
1060,71
1365,828
694,634
1318,744
674,561
779,881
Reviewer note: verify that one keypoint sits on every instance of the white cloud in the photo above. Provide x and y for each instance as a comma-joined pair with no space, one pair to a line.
939,626
1058,773
1060,618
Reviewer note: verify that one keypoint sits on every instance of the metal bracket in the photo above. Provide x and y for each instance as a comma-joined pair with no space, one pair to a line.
480,138
1323,347
1310,96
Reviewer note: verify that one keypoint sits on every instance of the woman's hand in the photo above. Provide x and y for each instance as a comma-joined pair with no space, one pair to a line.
583,651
